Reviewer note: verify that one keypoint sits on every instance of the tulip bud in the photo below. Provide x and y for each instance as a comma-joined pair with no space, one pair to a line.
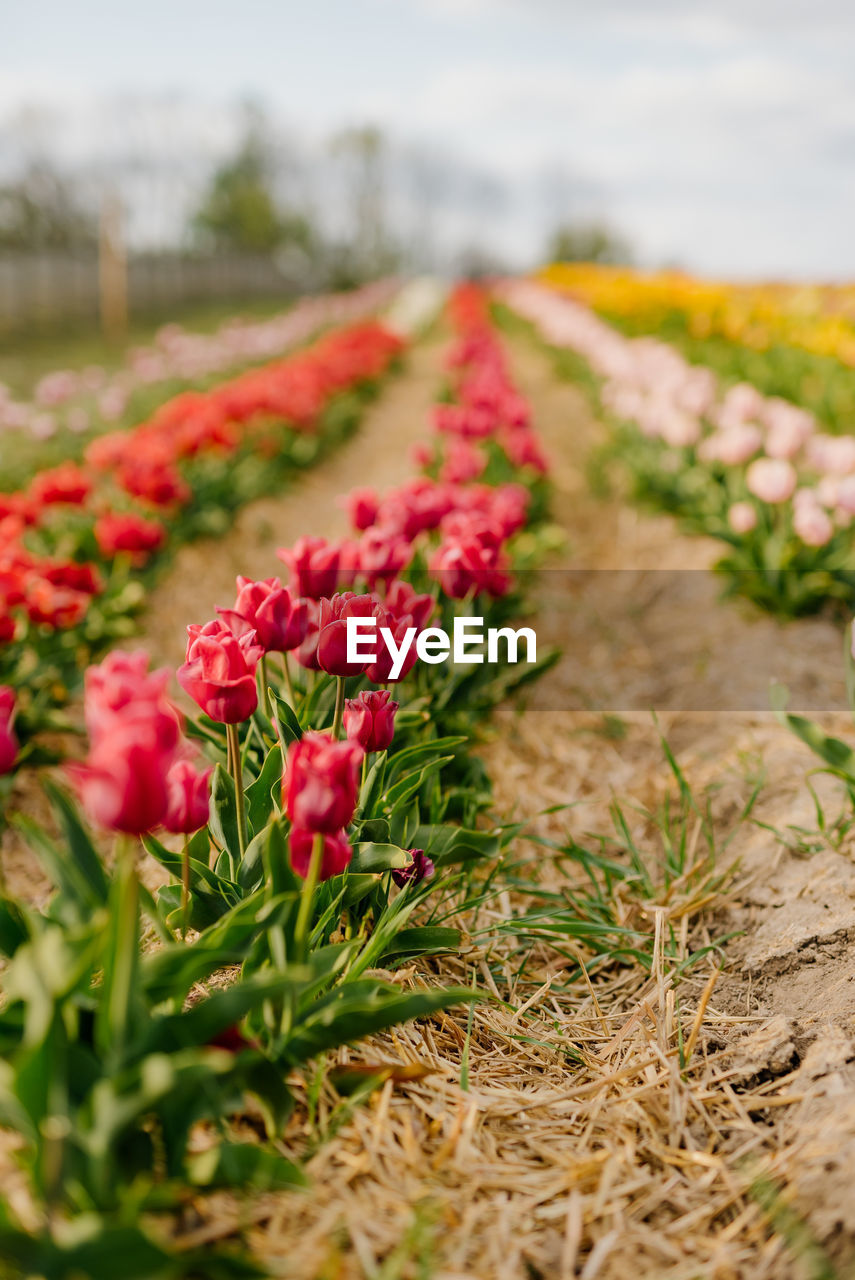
420,868
188,794
370,719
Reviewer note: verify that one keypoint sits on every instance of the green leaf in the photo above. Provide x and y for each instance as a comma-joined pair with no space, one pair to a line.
378,857
422,941
14,928
170,972
420,751
80,843
447,845
290,729
360,1009
200,872
251,870
238,1164
406,787
259,795
223,820
371,791
76,900
120,1008
199,1024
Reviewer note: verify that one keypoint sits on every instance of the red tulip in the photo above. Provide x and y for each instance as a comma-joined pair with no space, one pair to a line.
402,600
122,784
55,607
76,576
219,673
314,565
188,793
380,671
267,608
382,555
307,654
115,532
65,483
8,741
332,630
370,719
121,690
468,563
321,782
362,507
335,857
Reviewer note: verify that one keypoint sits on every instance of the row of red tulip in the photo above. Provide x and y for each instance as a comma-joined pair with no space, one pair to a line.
60,536
139,773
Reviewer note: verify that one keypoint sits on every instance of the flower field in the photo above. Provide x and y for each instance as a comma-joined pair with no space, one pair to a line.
329,959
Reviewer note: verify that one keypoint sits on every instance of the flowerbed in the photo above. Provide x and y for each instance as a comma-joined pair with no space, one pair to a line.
317,804
68,406
78,542
754,471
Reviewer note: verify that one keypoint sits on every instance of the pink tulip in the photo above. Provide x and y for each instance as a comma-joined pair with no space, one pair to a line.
314,565
332,630
188,798
771,480
742,517
267,608
219,674
122,783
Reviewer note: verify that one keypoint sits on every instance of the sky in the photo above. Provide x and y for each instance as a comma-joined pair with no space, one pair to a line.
720,136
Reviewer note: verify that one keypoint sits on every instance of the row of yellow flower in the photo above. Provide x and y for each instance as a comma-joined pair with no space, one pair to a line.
818,318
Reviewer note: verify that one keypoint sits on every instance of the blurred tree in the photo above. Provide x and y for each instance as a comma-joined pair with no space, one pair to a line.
239,210
587,242
369,250
42,210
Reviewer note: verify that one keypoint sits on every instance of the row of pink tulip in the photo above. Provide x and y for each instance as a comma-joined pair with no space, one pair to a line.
767,451
83,400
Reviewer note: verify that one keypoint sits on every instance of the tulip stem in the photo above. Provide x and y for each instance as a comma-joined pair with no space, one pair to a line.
266,702
339,707
310,884
364,770
185,888
237,774
288,681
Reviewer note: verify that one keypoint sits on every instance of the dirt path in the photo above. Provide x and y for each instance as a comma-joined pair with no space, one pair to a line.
656,632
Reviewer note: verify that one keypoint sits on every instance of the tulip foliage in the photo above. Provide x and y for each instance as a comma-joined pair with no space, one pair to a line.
755,471
77,544
309,830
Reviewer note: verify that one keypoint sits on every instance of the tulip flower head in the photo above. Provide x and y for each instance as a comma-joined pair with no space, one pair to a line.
334,859
219,674
321,782
370,719
279,621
